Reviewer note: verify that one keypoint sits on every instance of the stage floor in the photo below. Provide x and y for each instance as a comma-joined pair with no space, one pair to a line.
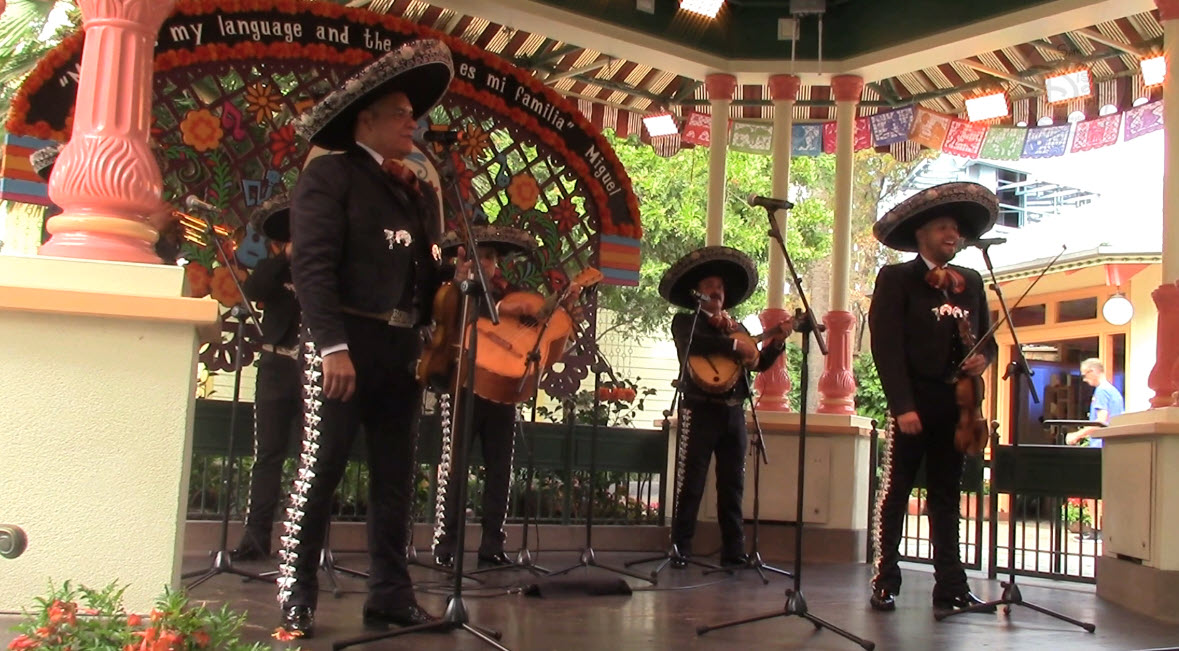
665,616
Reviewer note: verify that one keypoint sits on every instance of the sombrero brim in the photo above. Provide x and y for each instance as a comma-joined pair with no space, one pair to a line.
973,206
735,269
507,240
273,218
422,69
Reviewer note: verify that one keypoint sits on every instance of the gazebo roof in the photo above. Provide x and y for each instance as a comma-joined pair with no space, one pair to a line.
625,62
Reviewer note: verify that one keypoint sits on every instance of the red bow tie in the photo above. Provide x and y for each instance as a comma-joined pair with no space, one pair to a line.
401,173
946,279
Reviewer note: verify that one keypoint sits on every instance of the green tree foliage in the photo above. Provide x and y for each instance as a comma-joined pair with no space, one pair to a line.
22,42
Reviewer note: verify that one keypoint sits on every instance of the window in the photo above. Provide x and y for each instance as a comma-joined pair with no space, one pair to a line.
1079,309
1029,315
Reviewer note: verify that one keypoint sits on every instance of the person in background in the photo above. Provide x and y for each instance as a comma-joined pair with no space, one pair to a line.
1107,402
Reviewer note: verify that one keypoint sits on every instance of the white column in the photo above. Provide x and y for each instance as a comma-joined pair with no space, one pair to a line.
720,96
784,92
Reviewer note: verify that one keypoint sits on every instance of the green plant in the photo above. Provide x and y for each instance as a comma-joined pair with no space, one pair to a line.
77,617
618,403
1075,511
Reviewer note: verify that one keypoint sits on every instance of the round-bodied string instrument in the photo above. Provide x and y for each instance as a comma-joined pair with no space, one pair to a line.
970,430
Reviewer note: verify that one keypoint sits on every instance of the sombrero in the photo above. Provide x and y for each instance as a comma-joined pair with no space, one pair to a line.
43,159
422,69
735,269
273,217
973,206
506,240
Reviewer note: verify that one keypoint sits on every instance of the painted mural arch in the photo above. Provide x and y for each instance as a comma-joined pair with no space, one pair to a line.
231,75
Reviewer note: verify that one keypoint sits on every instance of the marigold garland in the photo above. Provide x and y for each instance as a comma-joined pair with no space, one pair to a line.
322,53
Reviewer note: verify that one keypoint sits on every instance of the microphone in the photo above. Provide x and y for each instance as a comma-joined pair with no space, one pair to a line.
441,136
700,298
193,203
769,203
981,243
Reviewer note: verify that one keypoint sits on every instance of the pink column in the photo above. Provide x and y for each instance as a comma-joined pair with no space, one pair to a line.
1162,379
837,385
106,180
1164,376
773,385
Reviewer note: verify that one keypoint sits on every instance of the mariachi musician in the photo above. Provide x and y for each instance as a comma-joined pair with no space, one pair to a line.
921,311
712,415
493,422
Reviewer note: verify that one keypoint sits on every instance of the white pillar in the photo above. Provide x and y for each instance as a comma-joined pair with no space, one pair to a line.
720,95
846,89
784,92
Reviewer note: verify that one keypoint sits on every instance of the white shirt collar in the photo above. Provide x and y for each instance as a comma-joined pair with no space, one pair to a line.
928,263
377,157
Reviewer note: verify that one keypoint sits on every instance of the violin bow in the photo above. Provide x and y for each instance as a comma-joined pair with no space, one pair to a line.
999,322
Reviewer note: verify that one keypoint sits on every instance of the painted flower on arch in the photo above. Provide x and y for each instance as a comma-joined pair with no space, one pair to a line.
565,215
282,144
223,288
201,130
262,101
524,191
474,141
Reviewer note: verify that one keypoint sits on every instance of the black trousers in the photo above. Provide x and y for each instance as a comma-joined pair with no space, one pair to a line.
493,424
388,404
943,472
278,419
711,429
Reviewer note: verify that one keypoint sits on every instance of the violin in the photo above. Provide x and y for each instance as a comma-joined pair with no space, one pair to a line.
440,354
970,430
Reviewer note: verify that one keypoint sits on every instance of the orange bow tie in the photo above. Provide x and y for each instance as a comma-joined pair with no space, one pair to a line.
947,279
401,173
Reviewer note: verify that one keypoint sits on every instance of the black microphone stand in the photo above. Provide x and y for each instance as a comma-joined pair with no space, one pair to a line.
222,561
754,560
673,555
795,602
475,292
588,558
1018,372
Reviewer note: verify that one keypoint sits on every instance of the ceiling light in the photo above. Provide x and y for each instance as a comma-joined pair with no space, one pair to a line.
1076,116
1108,109
1069,85
703,7
1141,100
1118,310
1045,121
660,124
1154,70
986,107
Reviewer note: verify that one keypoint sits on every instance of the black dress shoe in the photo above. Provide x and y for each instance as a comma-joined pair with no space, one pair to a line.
883,600
412,615
498,559
298,621
964,600
444,560
731,560
248,550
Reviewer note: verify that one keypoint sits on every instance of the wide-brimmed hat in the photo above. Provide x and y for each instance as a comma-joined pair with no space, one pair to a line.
973,206
507,240
422,69
43,159
273,217
735,269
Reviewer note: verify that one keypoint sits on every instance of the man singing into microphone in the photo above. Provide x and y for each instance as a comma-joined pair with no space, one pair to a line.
712,417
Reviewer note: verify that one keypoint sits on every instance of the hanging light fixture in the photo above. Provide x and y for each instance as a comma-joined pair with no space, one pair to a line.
707,8
661,124
1154,70
1117,310
986,107
1069,85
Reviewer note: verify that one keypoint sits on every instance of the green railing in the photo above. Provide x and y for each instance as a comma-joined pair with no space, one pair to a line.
628,484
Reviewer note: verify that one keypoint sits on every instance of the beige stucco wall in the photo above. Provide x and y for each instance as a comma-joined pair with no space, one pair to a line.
96,401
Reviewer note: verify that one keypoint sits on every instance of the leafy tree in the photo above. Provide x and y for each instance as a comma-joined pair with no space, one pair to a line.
22,42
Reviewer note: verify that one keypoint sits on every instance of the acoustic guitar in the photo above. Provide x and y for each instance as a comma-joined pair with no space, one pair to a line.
718,372
501,360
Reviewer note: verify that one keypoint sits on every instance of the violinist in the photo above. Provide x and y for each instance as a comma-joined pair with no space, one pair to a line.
921,311
493,423
712,420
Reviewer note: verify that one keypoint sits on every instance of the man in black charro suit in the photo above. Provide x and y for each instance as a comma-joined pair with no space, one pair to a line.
365,235
917,349
278,391
713,422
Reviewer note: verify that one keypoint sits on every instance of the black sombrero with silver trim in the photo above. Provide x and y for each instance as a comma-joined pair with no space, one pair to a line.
43,159
422,69
973,206
735,269
507,240
273,217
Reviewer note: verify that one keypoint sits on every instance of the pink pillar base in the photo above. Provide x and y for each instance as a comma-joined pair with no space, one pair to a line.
837,384
773,384
1162,379
88,245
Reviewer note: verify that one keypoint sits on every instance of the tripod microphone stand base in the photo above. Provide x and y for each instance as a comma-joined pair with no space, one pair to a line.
795,606
455,618
589,559
222,564
672,556
1013,597
754,562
